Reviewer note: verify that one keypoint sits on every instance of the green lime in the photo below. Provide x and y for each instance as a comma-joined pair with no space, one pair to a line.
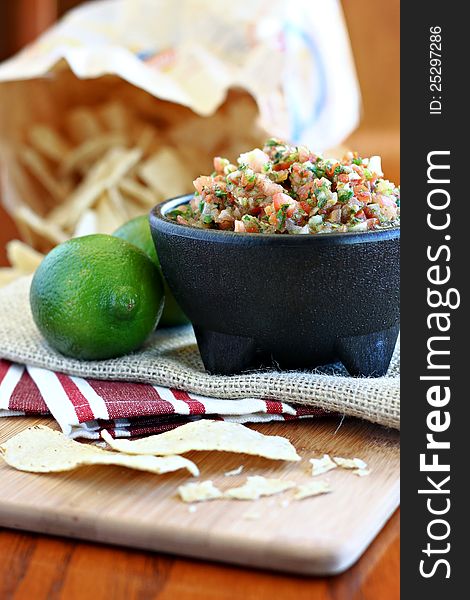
137,231
96,297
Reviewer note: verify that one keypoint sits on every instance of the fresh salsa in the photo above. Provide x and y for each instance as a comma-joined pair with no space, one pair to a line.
290,189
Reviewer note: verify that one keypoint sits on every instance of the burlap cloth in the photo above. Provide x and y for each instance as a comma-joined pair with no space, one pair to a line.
171,359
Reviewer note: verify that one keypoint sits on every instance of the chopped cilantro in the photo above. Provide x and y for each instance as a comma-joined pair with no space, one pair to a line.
319,169
281,216
344,195
338,170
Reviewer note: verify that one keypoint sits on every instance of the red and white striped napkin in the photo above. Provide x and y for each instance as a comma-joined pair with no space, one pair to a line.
82,407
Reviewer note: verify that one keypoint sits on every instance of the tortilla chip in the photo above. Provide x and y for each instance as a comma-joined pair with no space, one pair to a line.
165,173
82,124
118,202
105,173
108,217
207,434
204,136
81,158
23,257
18,183
115,116
38,167
139,192
44,228
48,142
145,137
40,449
350,463
134,210
313,488
322,465
199,491
87,224
258,486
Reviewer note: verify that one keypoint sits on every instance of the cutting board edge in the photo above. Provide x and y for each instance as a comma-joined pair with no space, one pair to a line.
296,559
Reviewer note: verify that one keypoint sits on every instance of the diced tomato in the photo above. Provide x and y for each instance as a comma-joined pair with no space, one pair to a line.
364,197
281,166
304,154
360,215
330,171
370,214
372,223
305,206
281,199
219,164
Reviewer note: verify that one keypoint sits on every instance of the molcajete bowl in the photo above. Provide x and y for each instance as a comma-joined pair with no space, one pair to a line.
289,301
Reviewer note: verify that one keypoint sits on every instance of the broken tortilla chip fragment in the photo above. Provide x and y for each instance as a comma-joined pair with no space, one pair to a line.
209,435
199,491
258,486
350,463
40,449
322,465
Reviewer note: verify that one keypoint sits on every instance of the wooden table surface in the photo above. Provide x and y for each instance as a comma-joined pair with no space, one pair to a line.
37,567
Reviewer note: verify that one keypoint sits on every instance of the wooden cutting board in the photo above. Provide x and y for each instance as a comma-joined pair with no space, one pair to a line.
320,535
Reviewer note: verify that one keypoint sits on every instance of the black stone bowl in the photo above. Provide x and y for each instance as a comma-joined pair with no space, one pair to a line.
292,301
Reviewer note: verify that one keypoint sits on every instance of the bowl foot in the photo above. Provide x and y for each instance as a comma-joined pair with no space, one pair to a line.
368,355
224,354
362,356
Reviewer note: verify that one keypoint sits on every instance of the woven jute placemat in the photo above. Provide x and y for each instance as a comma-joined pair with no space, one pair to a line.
171,358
